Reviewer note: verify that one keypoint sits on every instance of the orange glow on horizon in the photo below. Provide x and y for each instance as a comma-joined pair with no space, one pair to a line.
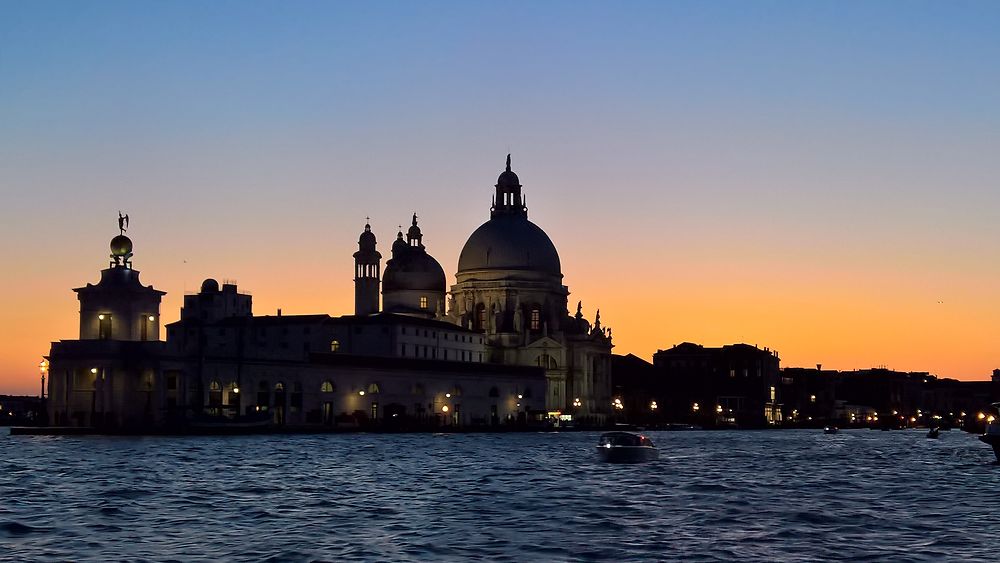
843,320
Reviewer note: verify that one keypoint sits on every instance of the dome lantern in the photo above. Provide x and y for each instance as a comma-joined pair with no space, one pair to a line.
507,200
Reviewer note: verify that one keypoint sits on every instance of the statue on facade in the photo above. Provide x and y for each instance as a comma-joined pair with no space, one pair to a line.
518,316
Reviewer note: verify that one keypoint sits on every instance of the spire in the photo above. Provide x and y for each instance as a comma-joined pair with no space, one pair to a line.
508,162
414,237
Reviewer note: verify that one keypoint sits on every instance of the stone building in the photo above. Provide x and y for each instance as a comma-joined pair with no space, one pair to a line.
509,286
733,385
505,350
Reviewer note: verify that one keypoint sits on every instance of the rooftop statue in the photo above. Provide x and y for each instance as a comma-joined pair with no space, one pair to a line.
122,222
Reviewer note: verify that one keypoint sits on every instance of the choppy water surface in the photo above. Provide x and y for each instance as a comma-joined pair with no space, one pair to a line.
786,495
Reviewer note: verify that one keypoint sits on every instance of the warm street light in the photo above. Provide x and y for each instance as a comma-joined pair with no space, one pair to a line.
695,407
652,405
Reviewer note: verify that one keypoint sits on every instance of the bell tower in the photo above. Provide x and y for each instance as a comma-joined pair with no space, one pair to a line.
367,274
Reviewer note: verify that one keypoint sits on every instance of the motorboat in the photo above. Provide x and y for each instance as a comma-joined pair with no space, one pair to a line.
830,430
933,432
626,447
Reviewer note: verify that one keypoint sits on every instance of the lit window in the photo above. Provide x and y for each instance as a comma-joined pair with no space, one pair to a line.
334,345
326,387
536,319
423,302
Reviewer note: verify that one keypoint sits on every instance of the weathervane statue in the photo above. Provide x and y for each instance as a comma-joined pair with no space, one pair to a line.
122,222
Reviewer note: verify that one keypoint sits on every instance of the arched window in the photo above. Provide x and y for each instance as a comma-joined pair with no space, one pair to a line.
334,345
326,387
456,391
279,387
373,388
480,319
536,318
215,386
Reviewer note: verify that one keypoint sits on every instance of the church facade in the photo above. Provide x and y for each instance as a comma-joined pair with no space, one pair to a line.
499,349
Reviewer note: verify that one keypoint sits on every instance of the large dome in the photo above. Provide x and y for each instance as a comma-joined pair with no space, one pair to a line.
509,242
415,270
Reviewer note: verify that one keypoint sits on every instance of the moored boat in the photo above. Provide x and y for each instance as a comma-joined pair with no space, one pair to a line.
992,434
626,447
830,430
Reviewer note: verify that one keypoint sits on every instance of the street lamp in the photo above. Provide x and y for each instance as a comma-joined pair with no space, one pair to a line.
577,403
43,368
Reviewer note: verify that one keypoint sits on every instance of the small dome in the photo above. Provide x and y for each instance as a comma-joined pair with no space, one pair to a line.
508,179
399,245
367,237
413,269
209,286
121,245
509,242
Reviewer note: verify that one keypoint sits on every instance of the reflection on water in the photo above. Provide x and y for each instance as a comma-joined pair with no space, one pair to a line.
785,495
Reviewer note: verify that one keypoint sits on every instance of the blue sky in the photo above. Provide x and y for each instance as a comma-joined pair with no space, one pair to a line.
777,142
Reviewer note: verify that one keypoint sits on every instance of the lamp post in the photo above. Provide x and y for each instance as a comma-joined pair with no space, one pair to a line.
43,368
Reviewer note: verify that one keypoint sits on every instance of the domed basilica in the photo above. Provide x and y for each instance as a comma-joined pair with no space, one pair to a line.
509,286
500,351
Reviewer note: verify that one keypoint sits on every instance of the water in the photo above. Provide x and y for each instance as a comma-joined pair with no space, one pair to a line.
785,495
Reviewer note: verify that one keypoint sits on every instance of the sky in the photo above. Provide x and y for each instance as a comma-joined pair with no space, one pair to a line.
816,177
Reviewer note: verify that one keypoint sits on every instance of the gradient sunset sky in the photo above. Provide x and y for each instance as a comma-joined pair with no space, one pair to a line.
817,177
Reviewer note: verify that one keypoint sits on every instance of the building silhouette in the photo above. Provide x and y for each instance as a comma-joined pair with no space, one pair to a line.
501,350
